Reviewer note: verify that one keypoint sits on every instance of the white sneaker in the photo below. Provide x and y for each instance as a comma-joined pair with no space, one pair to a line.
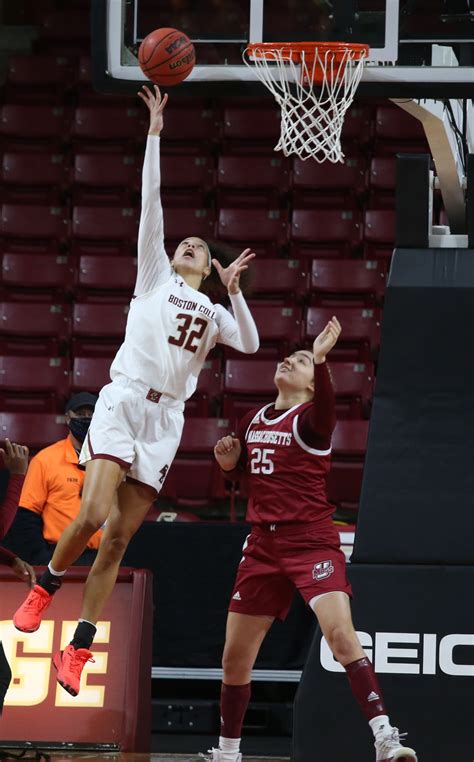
216,755
389,748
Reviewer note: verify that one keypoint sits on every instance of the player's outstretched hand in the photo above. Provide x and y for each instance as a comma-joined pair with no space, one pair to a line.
230,276
227,452
24,571
156,105
326,340
15,457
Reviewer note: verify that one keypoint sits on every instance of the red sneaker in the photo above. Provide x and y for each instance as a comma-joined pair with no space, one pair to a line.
69,665
28,617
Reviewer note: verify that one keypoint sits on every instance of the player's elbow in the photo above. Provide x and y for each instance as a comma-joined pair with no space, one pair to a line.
251,347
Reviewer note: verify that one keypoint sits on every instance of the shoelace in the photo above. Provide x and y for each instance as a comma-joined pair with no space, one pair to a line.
35,601
205,757
393,740
78,660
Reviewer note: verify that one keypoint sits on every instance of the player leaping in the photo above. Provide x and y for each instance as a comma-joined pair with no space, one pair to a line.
138,419
285,449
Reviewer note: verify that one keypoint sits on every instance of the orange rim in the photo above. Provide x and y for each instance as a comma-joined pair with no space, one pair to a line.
293,50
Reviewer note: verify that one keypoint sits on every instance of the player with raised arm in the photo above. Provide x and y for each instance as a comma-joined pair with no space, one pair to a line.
138,419
284,450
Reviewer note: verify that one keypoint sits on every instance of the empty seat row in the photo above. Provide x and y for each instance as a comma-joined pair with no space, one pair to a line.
236,126
286,325
199,434
347,278
92,178
47,227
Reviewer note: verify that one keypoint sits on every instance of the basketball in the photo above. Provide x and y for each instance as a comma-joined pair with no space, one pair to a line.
167,56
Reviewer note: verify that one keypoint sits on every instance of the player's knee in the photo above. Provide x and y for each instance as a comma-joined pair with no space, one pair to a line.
236,665
115,546
89,521
341,640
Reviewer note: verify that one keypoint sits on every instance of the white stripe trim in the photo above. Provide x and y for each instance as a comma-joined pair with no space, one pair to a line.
303,445
255,418
271,421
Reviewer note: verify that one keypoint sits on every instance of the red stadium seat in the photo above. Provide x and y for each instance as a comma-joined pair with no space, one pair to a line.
246,181
193,483
206,398
37,273
248,384
201,434
27,227
30,127
112,179
249,225
189,125
180,223
360,336
34,78
279,277
65,32
357,127
32,328
96,273
186,180
34,373
354,385
34,178
344,484
36,430
396,130
108,128
100,321
33,382
336,280
246,127
379,233
96,230
382,180
278,327
350,439
339,228
317,185
90,373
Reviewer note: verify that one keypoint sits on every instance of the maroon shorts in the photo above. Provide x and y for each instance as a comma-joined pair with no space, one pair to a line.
277,561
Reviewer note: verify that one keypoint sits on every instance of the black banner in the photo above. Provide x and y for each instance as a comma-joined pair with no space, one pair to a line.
416,624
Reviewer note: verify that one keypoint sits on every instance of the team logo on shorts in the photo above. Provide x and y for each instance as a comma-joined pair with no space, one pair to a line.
322,570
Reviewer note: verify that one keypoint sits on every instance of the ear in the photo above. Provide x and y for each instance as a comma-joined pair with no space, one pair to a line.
206,273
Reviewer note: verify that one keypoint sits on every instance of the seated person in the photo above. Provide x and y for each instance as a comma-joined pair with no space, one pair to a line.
51,496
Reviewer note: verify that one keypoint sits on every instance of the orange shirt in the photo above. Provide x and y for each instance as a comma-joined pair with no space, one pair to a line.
53,488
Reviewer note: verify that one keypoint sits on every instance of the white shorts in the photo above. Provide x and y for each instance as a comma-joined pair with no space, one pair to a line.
140,432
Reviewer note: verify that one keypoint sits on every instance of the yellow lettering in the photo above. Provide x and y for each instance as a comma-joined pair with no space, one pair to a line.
30,682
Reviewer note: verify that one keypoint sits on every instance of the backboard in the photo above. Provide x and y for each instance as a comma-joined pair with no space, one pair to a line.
419,48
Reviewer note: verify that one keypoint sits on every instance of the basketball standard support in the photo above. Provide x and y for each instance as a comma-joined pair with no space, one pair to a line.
446,124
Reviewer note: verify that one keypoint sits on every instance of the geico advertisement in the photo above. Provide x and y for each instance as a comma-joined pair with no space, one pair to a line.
36,707
412,653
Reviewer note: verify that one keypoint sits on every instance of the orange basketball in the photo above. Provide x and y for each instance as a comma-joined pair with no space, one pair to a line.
166,56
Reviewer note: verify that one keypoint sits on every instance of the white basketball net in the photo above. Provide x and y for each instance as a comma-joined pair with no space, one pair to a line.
312,116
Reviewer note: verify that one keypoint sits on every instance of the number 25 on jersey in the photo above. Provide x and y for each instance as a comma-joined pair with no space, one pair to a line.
261,461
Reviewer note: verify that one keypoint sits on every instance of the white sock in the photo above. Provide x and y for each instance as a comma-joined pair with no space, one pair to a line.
379,723
229,745
87,622
54,572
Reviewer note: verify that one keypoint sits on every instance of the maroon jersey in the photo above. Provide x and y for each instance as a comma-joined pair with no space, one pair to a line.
286,476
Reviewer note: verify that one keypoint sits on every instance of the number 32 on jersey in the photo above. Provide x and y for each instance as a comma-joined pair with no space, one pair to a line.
261,461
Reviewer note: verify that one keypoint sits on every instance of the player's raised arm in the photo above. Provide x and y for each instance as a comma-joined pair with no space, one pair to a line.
240,331
153,263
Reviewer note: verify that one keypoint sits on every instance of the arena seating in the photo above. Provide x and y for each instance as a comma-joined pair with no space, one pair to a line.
71,182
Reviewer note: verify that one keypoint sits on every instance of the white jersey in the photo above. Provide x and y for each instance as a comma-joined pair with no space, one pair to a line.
171,327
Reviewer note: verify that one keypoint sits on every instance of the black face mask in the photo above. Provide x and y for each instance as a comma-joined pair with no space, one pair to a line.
79,427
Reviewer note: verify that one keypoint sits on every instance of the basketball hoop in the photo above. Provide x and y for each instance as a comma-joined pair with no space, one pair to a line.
314,84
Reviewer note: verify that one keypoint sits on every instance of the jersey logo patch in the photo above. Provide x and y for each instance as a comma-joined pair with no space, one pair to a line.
323,570
163,473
